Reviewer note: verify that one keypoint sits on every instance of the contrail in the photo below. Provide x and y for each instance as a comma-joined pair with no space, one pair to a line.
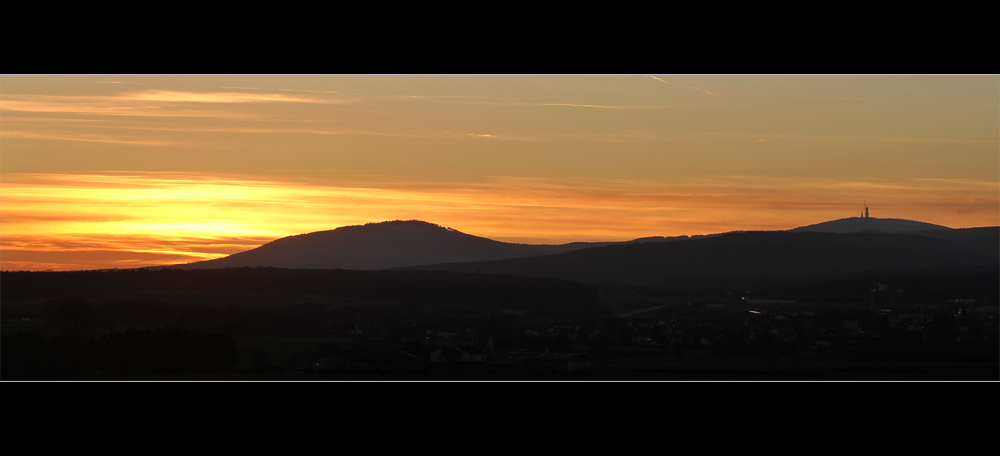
658,79
696,88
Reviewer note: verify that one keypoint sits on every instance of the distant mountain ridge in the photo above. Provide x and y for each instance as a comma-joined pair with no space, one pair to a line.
382,245
751,257
863,224
421,245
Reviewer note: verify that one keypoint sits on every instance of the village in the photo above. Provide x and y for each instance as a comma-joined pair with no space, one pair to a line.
715,339
819,332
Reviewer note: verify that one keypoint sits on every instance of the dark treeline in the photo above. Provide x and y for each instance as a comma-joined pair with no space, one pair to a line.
163,351
133,352
762,259
146,324
76,317
924,285
401,287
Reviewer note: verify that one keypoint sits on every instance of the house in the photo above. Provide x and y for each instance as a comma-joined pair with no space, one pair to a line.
535,362
335,363
460,354
370,360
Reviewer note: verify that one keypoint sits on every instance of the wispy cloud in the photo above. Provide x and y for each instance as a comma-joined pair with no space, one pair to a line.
197,216
308,91
155,103
88,137
109,106
658,79
111,130
282,90
572,105
119,82
688,87
497,101
216,97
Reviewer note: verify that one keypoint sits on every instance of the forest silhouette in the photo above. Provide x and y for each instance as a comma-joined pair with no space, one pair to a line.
920,296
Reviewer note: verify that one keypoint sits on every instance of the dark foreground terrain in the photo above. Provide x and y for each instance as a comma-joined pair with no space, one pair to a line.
330,325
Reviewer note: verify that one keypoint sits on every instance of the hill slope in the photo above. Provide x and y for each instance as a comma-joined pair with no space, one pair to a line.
815,249
861,224
381,246
747,255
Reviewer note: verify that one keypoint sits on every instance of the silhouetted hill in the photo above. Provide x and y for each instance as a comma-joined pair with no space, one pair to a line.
381,246
747,254
276,287
963,234
648,260
860,224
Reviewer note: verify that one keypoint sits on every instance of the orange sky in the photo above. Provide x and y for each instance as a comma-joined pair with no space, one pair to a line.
126,171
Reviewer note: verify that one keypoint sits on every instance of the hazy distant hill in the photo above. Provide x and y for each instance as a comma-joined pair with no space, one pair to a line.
856,244
963,234
266,286
861,224
382,246
750,254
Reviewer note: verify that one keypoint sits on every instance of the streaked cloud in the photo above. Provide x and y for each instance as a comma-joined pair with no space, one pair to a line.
88,137
108,106
189,217
215,97
516,158
585,105
658,79
119,82
282,90
155,103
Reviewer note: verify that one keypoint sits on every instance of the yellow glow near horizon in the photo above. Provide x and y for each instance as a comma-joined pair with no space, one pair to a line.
183,218
136,170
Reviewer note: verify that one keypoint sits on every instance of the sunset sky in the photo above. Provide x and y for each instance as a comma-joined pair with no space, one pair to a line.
135,170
